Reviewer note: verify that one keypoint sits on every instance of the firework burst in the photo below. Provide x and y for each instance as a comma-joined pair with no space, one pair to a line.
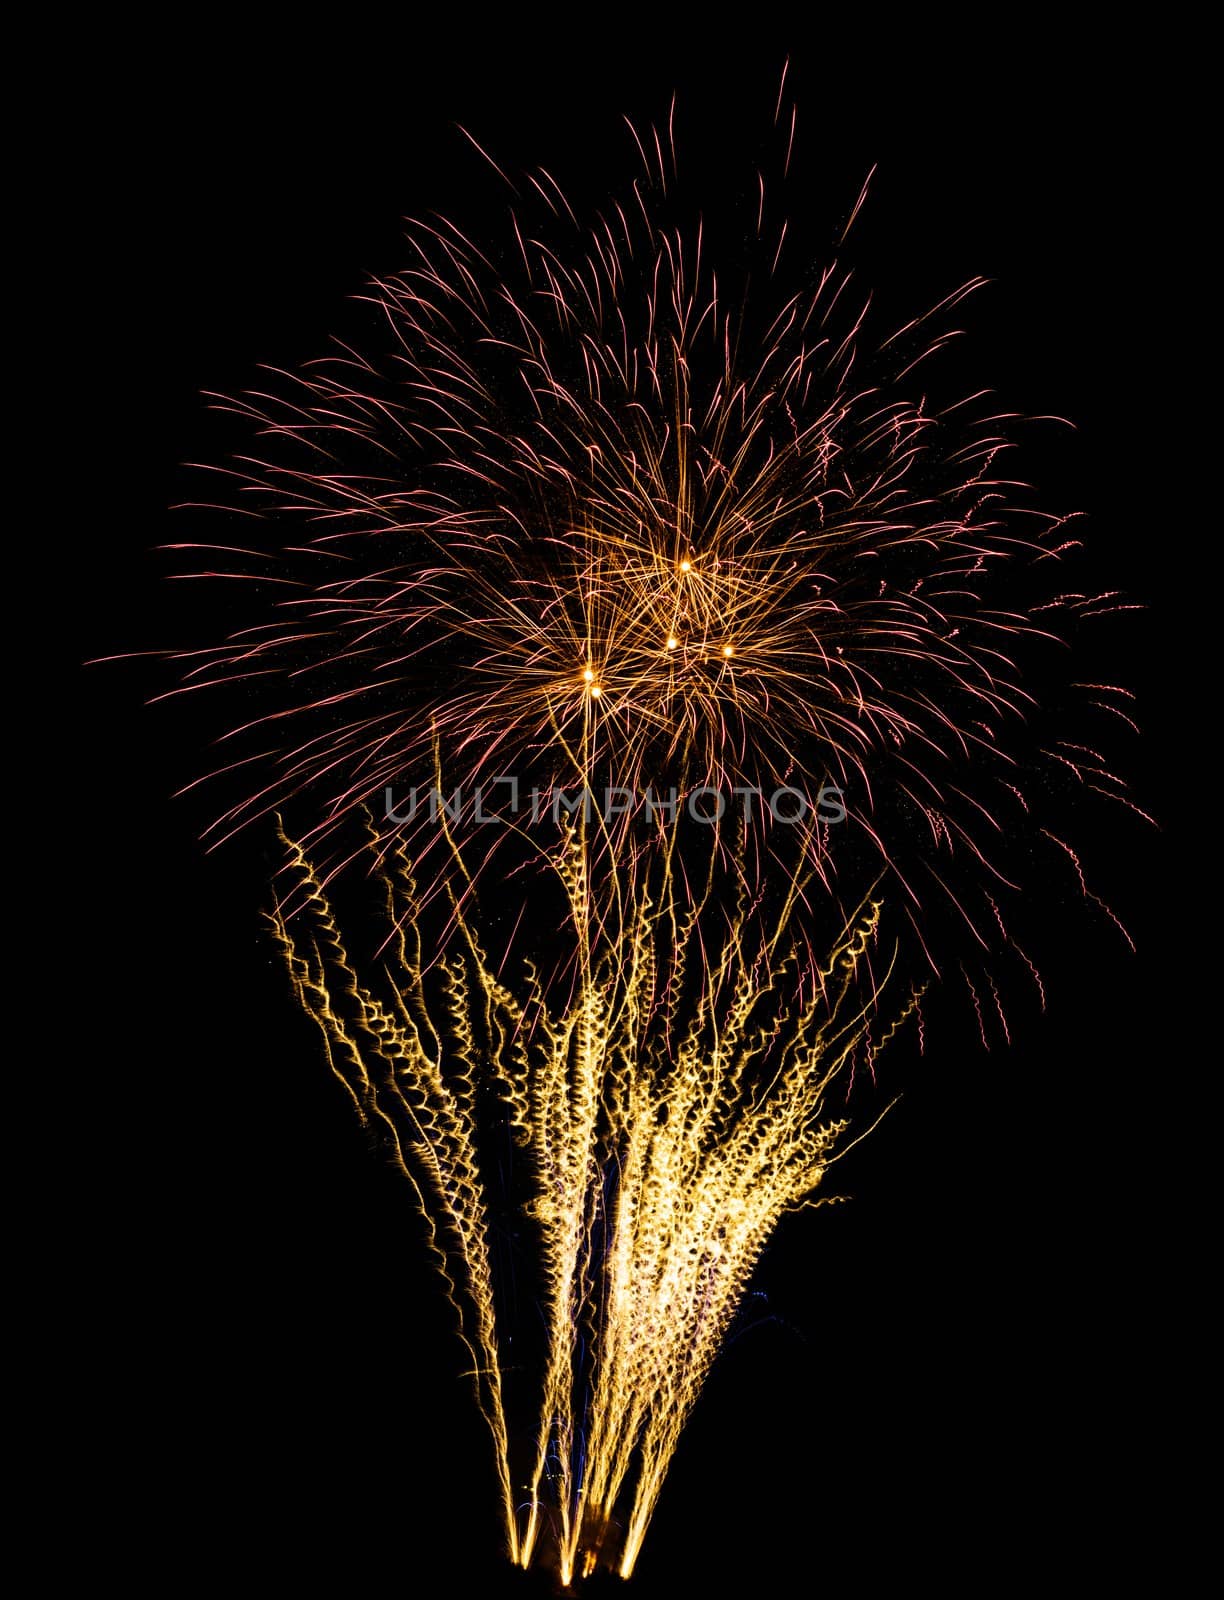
590,511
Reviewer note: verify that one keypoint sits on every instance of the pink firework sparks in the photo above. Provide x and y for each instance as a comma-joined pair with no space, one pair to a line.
593,509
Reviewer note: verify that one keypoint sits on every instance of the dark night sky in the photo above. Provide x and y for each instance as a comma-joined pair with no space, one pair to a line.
928,1375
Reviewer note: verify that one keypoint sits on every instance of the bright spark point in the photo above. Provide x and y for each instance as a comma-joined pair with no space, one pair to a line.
686,566
673,642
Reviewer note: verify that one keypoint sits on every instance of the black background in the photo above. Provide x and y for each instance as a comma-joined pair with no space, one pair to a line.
939,1382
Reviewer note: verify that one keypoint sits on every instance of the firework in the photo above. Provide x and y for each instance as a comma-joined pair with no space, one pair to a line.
671,1108
587,511
588,517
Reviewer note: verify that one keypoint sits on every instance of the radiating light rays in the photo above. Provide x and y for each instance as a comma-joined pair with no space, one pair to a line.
670,1106
594,506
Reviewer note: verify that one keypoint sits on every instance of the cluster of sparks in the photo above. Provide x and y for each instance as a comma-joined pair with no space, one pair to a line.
594,517
669,1117
591,517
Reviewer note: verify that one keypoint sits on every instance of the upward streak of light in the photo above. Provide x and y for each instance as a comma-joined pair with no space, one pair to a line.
670,1106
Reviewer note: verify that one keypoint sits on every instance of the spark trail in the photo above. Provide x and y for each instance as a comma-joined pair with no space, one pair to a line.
670,1107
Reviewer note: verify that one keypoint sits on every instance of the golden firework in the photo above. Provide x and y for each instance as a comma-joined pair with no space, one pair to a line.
672,1102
